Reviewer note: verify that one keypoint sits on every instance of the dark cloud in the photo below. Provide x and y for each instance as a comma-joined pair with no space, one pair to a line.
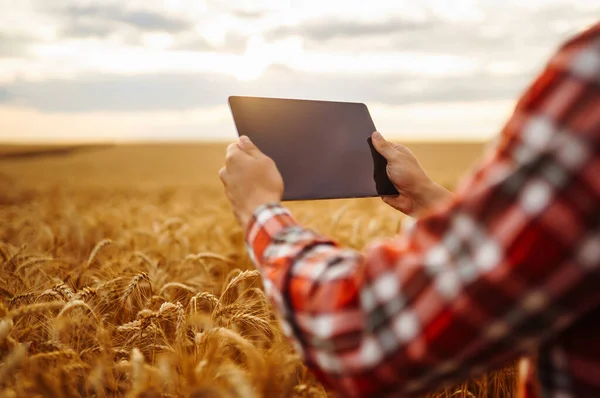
186,91
12,46
327,29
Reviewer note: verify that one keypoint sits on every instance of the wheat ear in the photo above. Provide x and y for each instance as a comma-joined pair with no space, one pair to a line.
32,261
241,277
133,284
95,250
178,285
35,308
49,356
214,256
180,326
204,296
76,304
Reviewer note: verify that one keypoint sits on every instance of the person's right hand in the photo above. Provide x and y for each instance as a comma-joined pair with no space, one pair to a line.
417,191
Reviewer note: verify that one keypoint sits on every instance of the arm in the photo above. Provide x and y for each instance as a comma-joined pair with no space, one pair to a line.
483,279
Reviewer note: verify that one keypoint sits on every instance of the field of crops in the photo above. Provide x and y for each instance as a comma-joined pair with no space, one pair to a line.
123,273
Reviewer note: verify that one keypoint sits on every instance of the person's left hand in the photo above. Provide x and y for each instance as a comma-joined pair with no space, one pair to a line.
251,179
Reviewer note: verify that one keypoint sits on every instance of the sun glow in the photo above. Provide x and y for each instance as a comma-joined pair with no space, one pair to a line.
259,55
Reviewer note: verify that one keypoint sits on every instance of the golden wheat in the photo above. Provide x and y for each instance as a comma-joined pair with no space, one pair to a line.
114,289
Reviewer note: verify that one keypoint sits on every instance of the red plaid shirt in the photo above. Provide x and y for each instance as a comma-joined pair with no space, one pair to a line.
509,268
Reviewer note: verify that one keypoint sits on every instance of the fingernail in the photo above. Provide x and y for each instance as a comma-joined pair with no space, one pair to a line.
377,135
244,139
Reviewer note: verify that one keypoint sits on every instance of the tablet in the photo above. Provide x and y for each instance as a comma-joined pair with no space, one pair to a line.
322,149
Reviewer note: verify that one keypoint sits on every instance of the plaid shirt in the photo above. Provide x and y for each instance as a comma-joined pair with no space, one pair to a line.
509,268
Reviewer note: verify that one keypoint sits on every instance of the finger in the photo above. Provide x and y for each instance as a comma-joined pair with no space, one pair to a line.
384,147
248,146
233,153
223,175
232,149
402,149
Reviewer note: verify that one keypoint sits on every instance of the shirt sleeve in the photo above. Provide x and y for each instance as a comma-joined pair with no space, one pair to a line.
474,284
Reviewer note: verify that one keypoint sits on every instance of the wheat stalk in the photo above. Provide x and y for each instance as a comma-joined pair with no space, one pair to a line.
6,326
13,360
137,361
3,310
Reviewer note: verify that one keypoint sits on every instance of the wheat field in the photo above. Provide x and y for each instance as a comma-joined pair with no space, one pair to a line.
123,273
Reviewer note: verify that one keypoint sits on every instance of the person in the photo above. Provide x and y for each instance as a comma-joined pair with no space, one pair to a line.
506,268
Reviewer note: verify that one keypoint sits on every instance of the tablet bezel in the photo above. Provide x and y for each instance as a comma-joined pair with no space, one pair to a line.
238,127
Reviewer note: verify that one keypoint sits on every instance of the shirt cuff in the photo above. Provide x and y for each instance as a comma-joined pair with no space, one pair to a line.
267,221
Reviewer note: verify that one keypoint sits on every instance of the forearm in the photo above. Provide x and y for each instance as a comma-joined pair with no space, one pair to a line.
395,317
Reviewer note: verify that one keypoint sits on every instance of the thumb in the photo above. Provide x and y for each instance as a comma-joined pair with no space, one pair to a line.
248,146
384,147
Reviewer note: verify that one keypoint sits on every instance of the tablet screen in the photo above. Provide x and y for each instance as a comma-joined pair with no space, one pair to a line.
322,148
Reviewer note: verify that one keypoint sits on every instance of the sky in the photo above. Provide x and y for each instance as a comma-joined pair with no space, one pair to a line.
105,71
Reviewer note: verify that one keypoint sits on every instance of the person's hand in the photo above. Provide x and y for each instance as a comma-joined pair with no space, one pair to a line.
417,192
251,179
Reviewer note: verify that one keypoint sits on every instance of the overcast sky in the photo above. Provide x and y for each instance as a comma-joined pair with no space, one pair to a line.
103,70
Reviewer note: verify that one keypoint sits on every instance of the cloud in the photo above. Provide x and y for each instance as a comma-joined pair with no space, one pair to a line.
4,96
96,20
142,20
12,46
241,13
233,43
187,91
82,29
509,32
326,29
